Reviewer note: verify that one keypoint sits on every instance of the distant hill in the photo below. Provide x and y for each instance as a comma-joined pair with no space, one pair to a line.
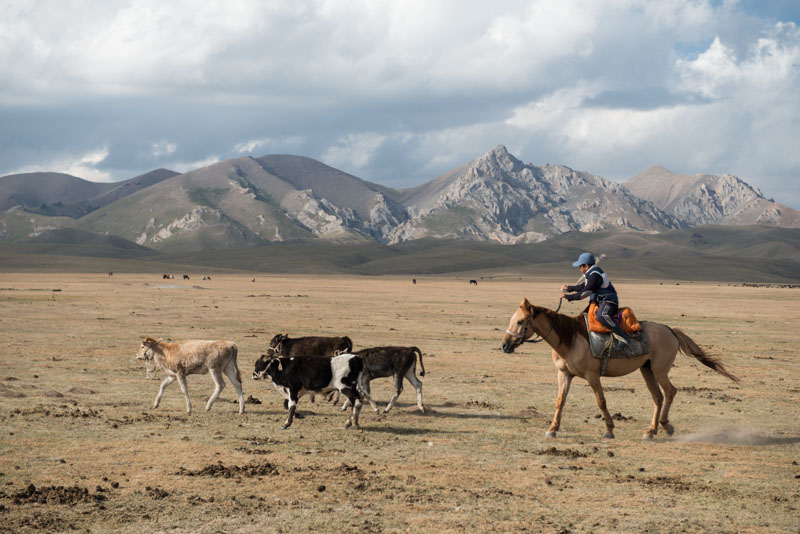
708,253
708,199
495,198
62,195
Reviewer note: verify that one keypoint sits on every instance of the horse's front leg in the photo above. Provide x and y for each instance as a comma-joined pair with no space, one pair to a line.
594,383
564,381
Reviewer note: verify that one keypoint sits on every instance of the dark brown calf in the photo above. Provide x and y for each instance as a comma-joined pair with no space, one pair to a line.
397,362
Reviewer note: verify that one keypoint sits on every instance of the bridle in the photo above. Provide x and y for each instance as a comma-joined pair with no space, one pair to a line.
521,337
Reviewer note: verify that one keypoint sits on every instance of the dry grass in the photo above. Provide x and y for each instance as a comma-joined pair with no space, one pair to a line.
75,412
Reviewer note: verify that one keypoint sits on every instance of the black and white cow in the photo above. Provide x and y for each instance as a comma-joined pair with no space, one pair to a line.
397,362
298,376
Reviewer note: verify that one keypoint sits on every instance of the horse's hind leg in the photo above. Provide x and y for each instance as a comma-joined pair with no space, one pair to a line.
564,381
658,398
594,383
669,396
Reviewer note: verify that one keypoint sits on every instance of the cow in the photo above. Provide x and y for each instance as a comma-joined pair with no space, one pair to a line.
414,281
397,362
473,282
283,345
298,376
185,276
110,273
168,277
309,346
183,358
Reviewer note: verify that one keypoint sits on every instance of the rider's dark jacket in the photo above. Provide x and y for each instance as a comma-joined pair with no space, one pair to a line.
596,286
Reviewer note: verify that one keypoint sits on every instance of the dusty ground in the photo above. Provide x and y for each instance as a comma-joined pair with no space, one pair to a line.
81,450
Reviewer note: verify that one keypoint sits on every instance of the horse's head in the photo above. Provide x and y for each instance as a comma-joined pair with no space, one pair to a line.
519,328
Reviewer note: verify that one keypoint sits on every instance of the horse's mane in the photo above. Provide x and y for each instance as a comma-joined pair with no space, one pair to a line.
565,327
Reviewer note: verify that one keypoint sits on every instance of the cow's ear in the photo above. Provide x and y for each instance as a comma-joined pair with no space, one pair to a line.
150,341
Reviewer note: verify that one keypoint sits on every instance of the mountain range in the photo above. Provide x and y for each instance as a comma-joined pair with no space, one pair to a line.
250,201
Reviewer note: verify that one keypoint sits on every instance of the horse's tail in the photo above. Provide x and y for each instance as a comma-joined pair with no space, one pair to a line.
419,355
690,348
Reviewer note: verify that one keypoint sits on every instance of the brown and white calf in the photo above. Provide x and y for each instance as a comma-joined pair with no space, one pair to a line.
397,362
183,358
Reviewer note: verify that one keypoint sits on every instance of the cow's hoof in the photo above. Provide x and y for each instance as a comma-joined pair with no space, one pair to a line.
299,416
608,435
550,434
284,427
422,411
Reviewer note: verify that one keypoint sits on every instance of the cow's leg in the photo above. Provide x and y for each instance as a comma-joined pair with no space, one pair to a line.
355,400
167,381
185,389
564,381
398,389
292,408
219,385
233,376
411,376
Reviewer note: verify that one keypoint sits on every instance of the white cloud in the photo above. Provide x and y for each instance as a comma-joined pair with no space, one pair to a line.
190,166
353,151
81,165
162,148
269,143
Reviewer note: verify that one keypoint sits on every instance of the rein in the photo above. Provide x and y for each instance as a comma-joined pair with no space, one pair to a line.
521,336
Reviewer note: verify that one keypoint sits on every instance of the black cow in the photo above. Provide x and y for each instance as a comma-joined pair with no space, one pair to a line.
310,347
397,362
295,377
185,276
283,345
473,282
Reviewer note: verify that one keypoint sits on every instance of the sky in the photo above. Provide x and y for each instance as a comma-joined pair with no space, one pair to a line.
400,92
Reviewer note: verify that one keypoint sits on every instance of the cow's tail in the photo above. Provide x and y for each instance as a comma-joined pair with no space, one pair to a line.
690,348
235,353
419,355
357,364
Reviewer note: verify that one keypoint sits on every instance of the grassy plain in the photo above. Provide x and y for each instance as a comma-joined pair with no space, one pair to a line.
82,451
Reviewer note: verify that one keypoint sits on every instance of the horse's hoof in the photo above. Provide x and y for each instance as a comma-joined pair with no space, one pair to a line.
550,434
608,435
648,436
669,429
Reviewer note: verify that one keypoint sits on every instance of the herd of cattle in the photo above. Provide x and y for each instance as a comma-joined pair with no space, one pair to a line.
306,365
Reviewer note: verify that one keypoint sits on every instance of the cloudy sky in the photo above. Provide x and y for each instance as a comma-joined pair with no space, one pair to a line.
398,92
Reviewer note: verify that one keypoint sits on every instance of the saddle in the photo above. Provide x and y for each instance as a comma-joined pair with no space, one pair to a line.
604,346
624,318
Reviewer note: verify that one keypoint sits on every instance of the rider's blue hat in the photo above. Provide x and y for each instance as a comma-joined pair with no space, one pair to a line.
587,258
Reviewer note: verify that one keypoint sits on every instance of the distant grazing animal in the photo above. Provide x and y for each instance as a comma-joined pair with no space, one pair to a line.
572,357
397,362
295,377
110,273
185,276
414,281
168,277
473,282
206,278
194,357
253,280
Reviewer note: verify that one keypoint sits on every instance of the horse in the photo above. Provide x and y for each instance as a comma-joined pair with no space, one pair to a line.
572,357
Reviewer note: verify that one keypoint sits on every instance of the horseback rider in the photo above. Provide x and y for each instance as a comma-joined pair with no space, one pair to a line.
597,286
